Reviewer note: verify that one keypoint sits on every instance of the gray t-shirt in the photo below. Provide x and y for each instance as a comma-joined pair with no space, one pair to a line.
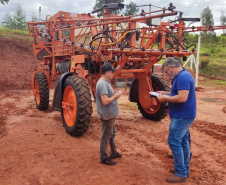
109,111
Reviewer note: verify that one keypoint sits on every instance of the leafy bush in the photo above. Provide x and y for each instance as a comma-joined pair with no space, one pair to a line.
205,54
204,61
212,50
214,69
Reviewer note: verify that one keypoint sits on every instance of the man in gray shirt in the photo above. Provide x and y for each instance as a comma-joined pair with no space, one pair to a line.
107,110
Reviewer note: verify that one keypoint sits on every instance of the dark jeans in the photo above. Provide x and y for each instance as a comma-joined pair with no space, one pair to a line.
108,135
189,140
179,143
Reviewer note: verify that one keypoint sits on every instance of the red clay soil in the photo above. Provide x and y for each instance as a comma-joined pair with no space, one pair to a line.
36,150
224,110
16,63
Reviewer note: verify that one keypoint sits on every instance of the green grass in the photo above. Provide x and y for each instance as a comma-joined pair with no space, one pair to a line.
17,34
213,59
219,82
213,83
130,105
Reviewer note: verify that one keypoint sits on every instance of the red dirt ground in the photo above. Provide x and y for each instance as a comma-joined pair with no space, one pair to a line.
35,149
16,63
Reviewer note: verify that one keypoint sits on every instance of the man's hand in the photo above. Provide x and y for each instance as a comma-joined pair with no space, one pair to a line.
163,93
117,95
161,98
105,100
181,97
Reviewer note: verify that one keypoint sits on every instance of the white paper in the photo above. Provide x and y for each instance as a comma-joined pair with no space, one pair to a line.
156,94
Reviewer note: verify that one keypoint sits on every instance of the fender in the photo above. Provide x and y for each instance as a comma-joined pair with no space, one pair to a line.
133,93
58,92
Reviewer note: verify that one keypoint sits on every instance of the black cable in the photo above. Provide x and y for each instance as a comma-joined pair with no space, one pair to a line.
122,44
184,32
157,7
90,45
149,5
86,39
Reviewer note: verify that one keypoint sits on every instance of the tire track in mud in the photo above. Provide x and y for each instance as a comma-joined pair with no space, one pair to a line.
3,130
3,116
8,107
216,131
152,146
202,171
208,166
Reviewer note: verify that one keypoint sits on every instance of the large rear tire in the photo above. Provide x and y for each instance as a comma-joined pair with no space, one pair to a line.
158,111
77,109
41,91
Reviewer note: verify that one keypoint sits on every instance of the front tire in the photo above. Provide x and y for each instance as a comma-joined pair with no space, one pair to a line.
158,111
77,109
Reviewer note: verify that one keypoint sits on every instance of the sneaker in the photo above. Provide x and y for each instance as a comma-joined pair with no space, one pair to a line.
108,161
117,155
176,179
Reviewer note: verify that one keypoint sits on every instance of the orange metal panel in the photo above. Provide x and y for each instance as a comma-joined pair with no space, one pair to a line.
79,59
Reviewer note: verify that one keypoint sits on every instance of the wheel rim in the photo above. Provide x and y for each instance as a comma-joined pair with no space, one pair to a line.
37,95
70,111
154,108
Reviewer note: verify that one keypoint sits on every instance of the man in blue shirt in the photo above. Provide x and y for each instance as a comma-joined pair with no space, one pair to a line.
182,111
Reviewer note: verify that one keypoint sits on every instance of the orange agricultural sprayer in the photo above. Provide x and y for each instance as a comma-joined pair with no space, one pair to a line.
70,49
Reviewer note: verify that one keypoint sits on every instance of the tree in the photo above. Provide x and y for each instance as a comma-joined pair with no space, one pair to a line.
131,9
20,19
207,17
4,1
223,23
8,21
207,20
98,4
17,21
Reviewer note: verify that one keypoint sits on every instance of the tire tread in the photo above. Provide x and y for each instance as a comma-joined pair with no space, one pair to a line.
43,91
84,106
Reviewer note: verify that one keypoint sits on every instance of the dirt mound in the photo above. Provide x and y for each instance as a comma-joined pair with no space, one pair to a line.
17,63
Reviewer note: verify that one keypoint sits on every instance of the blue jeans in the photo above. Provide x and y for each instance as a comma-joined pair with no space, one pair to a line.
179,143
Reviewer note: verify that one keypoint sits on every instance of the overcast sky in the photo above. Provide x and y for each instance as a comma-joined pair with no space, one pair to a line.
191,8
